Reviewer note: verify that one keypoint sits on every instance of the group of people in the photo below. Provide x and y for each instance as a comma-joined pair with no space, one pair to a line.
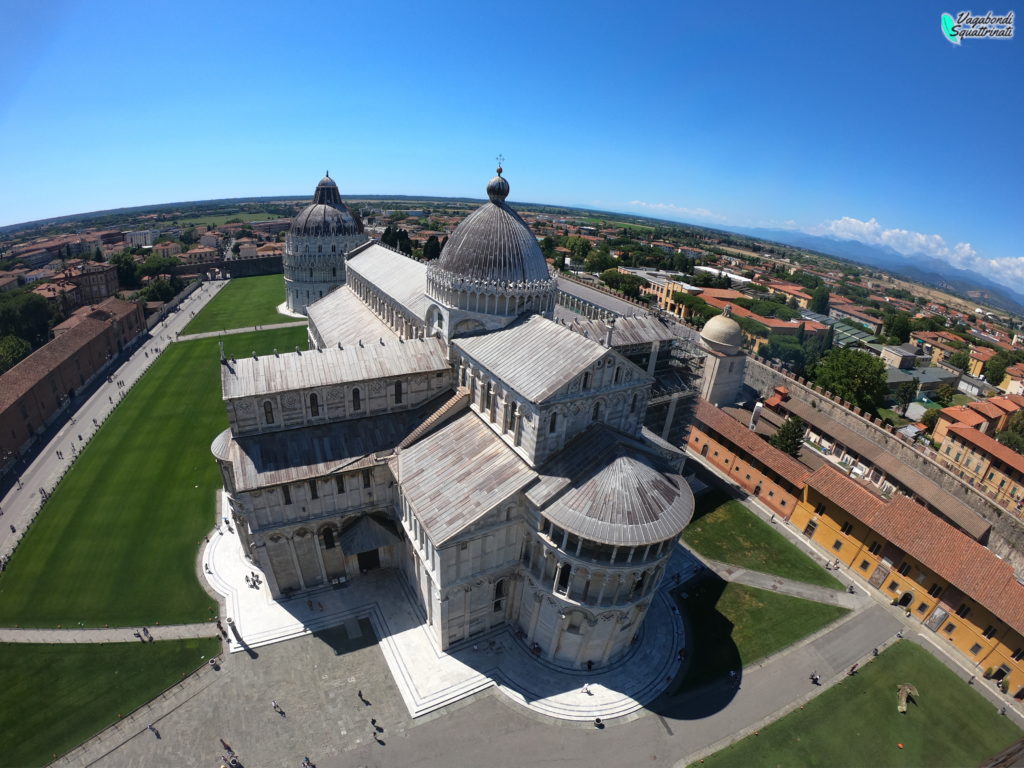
254,580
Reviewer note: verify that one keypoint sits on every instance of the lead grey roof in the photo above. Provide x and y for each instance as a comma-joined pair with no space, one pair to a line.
402,278
607,487
365,535
626,331
372,359
458,474
327,214
341,317
294,455
493,244
535,356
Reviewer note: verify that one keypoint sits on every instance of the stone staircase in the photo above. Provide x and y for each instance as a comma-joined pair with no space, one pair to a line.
454,405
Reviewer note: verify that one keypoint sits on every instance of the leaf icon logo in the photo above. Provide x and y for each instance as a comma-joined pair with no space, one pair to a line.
947,29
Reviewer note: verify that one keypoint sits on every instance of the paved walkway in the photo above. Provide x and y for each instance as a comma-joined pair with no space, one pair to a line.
117,635
429,679
801,589
232,331
22,503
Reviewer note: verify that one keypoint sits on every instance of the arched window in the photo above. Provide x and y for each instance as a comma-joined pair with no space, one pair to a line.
356,400
268,412
510,416
310,271
332,249
314,405
553,424
499,595
328,538
632,404
618,375
398,393
586,380
564,576
596,415
334,271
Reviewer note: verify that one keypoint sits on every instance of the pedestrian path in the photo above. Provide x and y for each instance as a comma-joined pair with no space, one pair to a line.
818,594
116,635
233,331
429,678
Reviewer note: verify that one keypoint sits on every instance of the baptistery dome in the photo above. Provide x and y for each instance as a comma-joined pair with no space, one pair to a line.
327,214
316,244
492,264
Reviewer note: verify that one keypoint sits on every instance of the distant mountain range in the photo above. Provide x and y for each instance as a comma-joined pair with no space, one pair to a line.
917,267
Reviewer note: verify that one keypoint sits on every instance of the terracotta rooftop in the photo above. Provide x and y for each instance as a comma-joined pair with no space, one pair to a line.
954,556
782,464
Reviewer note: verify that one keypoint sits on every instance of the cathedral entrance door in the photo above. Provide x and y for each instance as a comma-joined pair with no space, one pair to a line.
369,560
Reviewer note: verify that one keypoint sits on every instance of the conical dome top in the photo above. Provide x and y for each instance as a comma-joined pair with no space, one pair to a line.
327,214
493,244
327,192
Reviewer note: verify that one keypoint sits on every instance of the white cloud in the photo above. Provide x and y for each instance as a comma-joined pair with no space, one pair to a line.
670,209
908,243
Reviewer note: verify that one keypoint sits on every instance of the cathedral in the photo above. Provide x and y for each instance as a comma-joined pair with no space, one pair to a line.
445,425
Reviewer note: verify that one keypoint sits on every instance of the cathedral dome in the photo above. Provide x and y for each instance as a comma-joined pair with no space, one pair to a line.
723,334
327,214
493,244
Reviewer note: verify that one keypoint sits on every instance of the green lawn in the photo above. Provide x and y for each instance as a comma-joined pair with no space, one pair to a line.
116,543
733,626
894,418
243,303
961,399
54,697
725,530
856,722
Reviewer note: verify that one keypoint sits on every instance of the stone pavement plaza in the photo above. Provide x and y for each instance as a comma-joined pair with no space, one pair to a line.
427,678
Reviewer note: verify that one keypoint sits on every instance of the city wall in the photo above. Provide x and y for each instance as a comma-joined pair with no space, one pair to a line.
1007,537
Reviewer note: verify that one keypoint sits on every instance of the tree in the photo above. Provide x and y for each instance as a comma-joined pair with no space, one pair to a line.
12,350
431,248
1013,435
929,418
960,359
855,376
787,349
995,368
944,394
906,392
897,324
790,436
819,300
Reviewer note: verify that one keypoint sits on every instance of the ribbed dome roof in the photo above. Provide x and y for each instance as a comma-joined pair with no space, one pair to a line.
722,334
327,214
493,244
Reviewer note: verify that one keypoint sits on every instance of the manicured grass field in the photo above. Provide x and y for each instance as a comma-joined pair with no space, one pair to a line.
734,625
725,530
856,722
217,220
890,415
243,303
116,543
54,697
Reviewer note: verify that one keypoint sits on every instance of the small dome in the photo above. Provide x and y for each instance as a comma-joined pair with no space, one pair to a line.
493,244
722,334
327,214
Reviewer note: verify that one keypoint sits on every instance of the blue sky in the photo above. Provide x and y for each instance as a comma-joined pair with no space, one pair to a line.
860,120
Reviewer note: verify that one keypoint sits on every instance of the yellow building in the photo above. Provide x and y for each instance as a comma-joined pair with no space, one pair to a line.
996,468
953,585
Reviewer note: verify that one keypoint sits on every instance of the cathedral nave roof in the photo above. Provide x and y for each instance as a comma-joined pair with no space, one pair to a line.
368,360
341,317
535,356
456,475
395,275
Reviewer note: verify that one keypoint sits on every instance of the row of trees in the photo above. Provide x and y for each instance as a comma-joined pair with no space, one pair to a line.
25,322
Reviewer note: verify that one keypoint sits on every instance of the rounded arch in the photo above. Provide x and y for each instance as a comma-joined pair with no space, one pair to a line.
469,326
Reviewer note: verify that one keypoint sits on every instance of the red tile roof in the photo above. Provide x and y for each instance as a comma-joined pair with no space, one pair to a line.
954,556
725,425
